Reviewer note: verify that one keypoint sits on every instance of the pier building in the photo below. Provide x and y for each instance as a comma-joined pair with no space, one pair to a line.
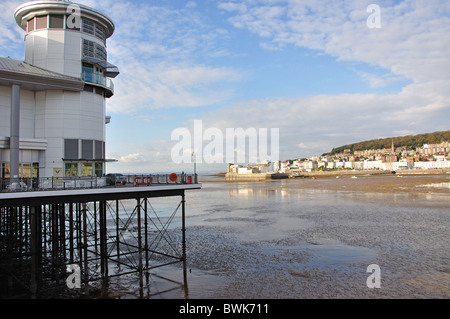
56,226
53,103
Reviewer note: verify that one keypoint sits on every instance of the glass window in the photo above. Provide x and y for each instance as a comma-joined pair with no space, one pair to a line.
56,22
99,169
5,170
88,72
35,170
86,169
30,25
26,171
41,22
71,169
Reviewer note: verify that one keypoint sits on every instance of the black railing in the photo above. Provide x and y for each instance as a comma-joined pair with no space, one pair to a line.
65,183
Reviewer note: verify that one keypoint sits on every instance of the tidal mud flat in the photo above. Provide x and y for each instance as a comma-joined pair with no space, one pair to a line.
314,239
380,184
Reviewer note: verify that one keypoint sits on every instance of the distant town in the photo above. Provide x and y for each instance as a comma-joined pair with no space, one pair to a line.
429,156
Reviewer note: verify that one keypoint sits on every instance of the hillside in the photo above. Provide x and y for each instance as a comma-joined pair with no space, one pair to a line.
410,141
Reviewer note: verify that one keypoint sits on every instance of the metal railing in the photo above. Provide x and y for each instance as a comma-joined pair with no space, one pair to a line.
97,78
50,183
8,185
165,179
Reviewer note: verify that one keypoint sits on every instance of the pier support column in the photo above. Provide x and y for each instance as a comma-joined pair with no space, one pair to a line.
139,230
85,248
103,239
183,225
34,247
15,131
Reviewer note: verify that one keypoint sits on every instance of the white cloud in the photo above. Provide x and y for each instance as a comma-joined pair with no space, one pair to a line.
376,81
152,86
413,41
11,37
135,158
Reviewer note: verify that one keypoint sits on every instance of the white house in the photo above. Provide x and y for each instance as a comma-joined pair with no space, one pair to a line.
401,165
348,165
431,165
372,164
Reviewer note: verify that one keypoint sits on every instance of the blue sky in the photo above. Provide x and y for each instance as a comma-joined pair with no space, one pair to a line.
313,69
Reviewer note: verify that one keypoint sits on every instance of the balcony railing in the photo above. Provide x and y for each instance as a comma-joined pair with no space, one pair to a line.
99,79
8,185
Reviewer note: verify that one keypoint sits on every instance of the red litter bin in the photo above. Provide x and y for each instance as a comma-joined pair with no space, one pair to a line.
189,179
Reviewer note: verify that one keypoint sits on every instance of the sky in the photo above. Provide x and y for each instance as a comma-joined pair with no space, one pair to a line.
324,73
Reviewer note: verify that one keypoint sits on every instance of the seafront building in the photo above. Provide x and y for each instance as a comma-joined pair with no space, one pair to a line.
430,156
53,103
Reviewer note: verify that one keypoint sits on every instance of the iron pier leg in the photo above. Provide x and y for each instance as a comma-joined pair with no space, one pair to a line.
85,247
103,239
139,226
117,229
71,230
33,244
146,234
183,224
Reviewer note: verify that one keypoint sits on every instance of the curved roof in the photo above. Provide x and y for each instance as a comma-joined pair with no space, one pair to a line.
30,9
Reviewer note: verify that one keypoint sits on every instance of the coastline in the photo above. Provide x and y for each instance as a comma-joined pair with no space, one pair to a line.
407,181
409,172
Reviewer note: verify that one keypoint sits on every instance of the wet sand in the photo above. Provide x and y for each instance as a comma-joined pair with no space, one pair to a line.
311,239
380,184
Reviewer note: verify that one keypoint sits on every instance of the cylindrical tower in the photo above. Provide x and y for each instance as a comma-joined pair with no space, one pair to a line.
70,39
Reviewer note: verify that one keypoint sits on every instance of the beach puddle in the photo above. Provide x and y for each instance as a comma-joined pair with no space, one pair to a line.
334,253
325,253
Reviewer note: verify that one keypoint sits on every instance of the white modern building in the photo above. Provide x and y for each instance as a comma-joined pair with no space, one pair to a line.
52,104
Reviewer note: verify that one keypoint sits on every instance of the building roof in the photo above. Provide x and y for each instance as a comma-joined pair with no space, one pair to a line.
17,66
19,72
30,9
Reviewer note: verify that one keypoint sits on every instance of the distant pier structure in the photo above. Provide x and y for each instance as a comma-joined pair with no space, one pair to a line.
67,241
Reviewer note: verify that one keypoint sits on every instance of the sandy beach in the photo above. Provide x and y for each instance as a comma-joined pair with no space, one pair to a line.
383,184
